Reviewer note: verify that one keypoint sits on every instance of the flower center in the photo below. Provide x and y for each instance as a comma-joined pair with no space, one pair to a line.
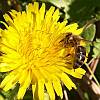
34,54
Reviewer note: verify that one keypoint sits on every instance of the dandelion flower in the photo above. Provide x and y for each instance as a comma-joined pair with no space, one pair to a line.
32,52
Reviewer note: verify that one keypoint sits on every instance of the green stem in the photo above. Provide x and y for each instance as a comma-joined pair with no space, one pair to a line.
92,74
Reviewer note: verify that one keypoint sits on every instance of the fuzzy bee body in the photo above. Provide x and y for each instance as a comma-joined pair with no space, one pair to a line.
79,54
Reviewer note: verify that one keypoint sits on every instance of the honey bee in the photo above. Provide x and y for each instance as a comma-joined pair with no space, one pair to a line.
79,54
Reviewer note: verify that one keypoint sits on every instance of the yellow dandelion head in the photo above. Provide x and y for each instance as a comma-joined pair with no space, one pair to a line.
33,54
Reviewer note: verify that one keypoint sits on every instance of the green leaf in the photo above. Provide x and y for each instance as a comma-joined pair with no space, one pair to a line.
96,49
88,35
11,94
98,15
83,10
89,32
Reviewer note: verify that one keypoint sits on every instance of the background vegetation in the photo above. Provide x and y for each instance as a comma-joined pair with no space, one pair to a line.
86,13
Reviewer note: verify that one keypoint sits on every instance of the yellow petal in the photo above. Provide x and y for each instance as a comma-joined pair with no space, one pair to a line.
78,73
4,24
48,15
24,86
56,15
67,81
33,89
7,18
41,89
13,13
71,28
80,70
5,67
38,74
58,88
50,90
11,82
78,31
6,80
29,8
42,11
23,75
36,7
